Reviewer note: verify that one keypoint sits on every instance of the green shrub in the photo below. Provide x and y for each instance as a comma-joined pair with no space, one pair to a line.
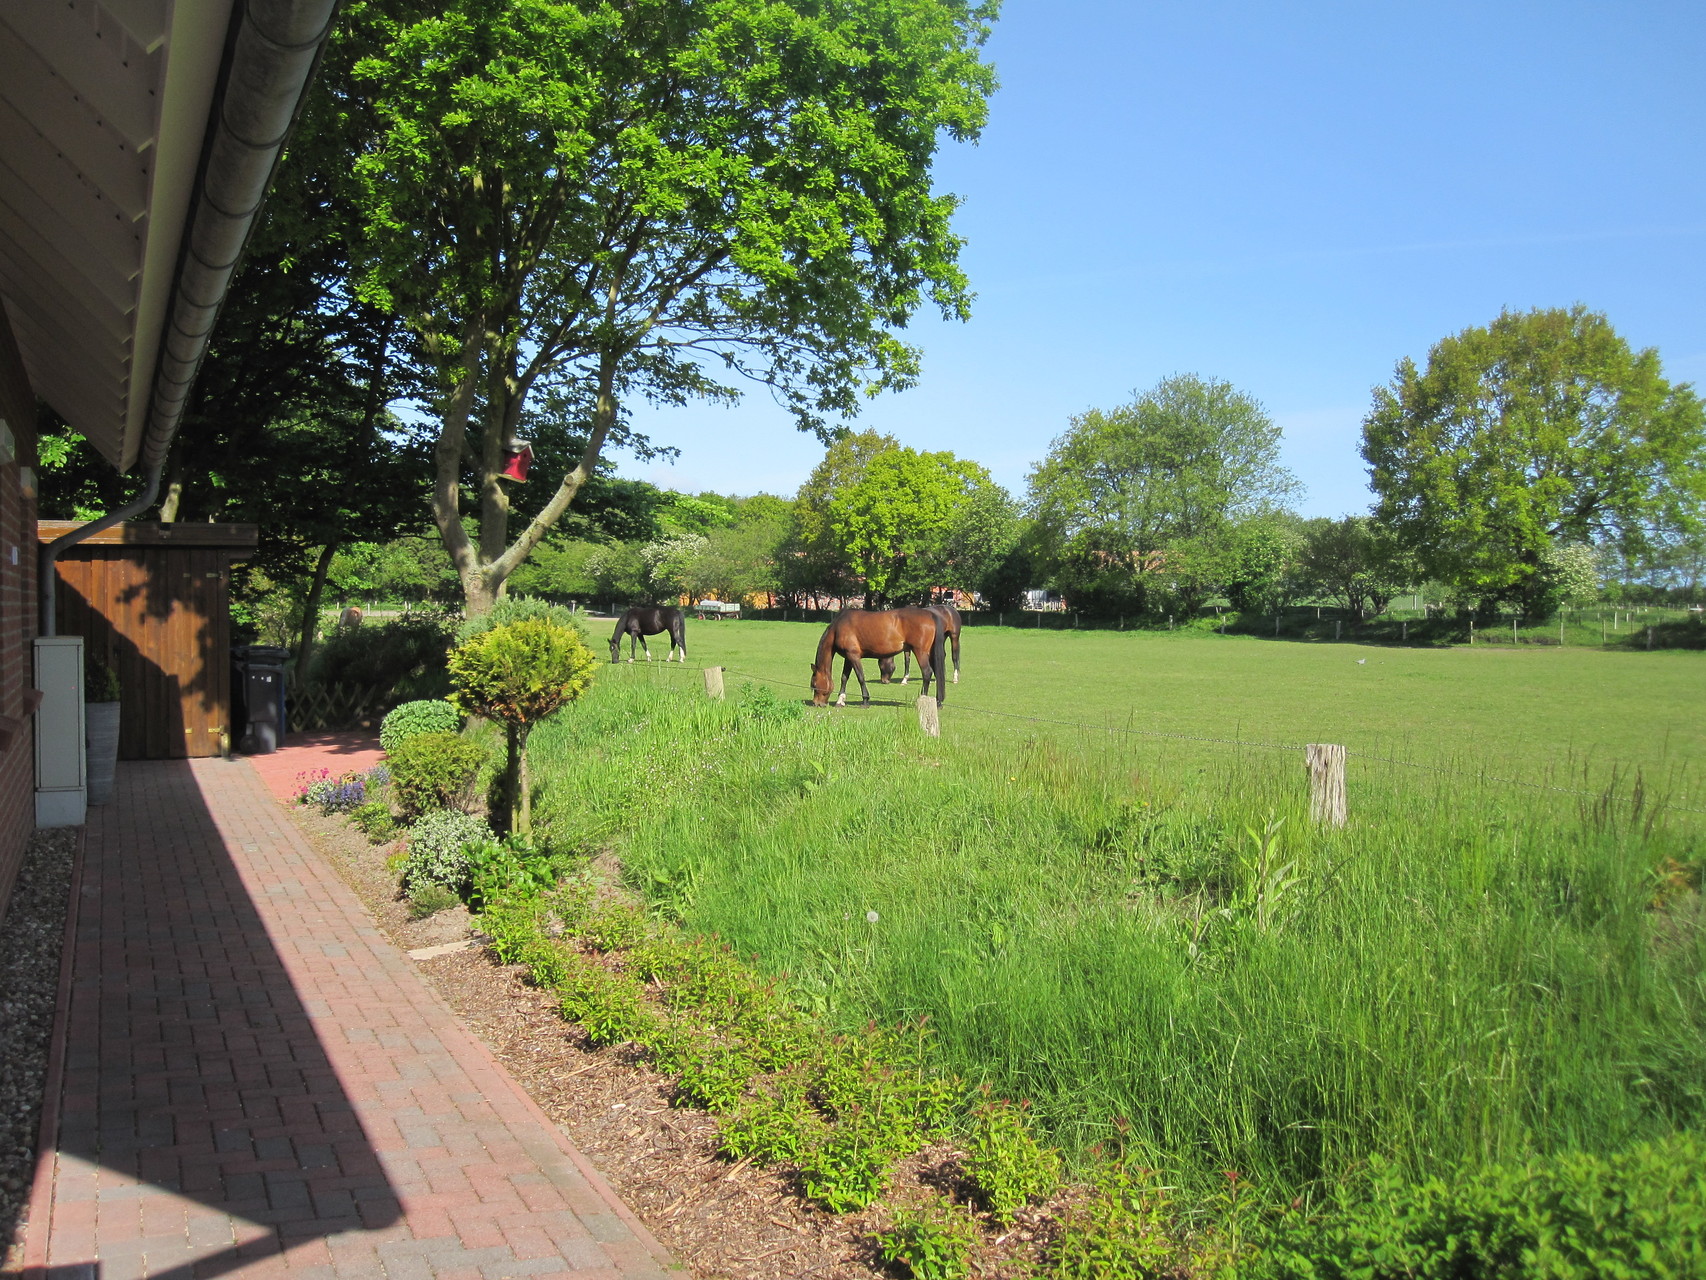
438,850
512,869
434,771
430,900
1120,1233
1637,1215
849,1168
426,715
933,1241
374,820
519,609
774,1124
1008,1165
405,655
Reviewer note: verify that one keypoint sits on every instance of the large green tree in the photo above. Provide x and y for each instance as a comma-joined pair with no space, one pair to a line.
1540,430
918,521
655,198
815,560
1135,505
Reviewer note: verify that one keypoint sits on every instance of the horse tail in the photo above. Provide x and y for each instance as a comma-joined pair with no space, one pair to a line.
938,654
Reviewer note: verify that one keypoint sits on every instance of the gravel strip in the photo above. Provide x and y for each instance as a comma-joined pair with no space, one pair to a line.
30,939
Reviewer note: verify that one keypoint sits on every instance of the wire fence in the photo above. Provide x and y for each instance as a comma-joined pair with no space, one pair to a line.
1480,778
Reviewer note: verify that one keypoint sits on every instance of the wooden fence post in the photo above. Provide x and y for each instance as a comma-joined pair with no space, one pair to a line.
714,682
928,719
1326,763
1337,624
1649,638
1404,630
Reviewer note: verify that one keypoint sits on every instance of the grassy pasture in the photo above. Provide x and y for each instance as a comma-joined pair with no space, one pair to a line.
1147,938
1529,713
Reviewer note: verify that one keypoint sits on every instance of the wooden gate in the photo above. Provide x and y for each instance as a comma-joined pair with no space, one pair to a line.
152,600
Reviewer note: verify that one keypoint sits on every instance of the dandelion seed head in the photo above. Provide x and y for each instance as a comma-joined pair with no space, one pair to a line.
872,917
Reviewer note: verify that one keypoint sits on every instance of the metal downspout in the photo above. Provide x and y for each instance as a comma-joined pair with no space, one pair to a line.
269,66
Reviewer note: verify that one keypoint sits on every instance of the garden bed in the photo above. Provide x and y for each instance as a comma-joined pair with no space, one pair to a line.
719,1219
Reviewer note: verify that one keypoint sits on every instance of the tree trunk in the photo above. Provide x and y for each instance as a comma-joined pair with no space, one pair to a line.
311,610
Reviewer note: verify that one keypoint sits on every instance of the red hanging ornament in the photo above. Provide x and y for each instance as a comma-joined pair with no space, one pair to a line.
517,460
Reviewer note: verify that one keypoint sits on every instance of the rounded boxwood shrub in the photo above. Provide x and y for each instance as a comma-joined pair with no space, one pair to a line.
434,771
428,715
438,850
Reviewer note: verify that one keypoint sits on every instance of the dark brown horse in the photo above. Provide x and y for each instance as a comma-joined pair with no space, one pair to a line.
950,620
858,634
644,620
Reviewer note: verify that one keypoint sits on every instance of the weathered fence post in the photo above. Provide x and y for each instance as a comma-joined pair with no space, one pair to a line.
1513,629
1326,763
1337,624
1276,624
714,682
1649,638
928,719
1471,631
1404,629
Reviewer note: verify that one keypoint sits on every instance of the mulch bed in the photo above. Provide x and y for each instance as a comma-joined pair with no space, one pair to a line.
718,1219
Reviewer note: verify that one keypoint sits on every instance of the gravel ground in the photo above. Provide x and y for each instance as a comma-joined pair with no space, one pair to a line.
30,940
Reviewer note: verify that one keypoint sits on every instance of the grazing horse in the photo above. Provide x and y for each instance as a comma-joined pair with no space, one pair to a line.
644,620
951,620
857,634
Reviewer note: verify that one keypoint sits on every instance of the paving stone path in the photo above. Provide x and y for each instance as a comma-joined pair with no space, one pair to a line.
250,1079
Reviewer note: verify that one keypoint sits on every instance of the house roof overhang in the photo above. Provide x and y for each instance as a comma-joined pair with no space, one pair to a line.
104,111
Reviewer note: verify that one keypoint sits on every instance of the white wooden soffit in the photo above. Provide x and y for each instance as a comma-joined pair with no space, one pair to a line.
103,111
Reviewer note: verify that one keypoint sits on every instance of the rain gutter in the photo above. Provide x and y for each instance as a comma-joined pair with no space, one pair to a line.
269,64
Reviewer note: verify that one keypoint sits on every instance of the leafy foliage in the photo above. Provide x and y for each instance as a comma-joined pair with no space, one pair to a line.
406,654
1134,505
914,521
633,195
1010,1167
1542,428
933,1241
434,771
520,672
437,852
1640,1214
430,715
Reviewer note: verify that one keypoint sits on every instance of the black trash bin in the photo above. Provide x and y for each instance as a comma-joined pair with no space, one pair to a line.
258,689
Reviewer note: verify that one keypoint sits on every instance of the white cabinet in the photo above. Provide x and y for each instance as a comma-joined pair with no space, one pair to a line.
61,798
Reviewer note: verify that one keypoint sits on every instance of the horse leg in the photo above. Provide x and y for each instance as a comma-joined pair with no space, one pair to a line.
956,657
646,647
864,690
630,646
847,670
905,665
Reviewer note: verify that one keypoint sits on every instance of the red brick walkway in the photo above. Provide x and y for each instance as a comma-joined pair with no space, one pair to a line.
255,1081
349,751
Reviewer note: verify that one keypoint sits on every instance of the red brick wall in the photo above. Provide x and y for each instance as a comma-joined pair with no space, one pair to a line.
18,616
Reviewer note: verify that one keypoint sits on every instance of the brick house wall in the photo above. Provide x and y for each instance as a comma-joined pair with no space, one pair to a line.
18,615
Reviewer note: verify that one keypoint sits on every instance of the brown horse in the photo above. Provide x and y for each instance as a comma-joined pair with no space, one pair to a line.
858,634
950,620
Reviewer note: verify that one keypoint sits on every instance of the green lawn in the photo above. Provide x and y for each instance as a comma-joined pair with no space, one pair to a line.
1528,713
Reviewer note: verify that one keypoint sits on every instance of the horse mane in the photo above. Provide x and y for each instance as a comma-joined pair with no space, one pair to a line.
825,651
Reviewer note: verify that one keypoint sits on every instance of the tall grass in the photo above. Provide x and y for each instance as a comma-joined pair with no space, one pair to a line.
1169,958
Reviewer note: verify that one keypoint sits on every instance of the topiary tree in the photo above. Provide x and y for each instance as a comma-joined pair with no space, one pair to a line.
517,674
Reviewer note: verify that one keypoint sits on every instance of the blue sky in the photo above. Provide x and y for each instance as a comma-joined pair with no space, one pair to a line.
1290,198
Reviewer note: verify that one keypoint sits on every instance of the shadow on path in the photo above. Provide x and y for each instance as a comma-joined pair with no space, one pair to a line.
201,1124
